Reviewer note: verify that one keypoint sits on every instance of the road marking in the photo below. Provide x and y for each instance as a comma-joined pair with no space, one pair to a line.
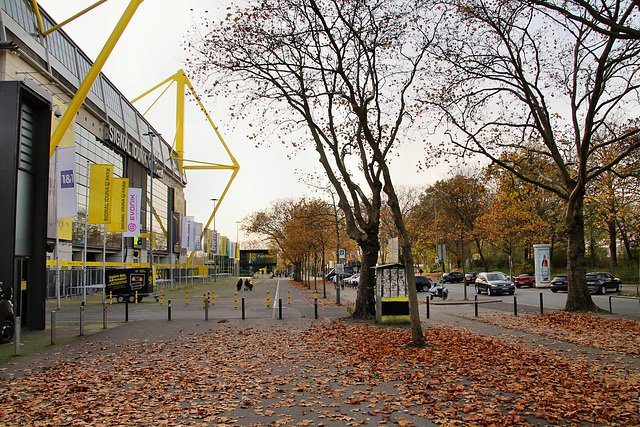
275,301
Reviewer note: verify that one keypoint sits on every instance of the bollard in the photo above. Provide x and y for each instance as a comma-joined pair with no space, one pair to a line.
126,308
187,297
136,301
515,305
208,298
161,296
104,316
610,306
204,301
428,309
206,308
17,336
53,328
235,307
280,308
169,311
541,303
315,307
242,308
82,318
110,298
213,298
289,297
268,299
476,304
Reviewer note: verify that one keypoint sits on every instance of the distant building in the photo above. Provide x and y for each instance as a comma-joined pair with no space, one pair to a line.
254,260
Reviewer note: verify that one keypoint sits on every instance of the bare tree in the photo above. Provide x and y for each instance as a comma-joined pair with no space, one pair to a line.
515,78
344,72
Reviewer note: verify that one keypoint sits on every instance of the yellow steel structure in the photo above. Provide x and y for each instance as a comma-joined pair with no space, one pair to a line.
183,82
95,69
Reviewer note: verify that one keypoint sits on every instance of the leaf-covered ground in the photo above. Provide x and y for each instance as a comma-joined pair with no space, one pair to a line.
621,336
305,374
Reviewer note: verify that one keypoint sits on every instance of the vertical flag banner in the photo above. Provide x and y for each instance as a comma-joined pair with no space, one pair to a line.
119,197
134,200
197,235
214,242
207,240
232,254
66,191
188,233
100,194
175,230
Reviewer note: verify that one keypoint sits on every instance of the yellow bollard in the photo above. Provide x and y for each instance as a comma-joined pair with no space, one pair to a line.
136,297
315,294
161,295
268,299
289,297
236,306
213,298
110,298
204,300
187,297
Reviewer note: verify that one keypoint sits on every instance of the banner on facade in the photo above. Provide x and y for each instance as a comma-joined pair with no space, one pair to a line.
214,242
175,230
198,237
66,191
188,233
101,177
232,253
120,193
134,201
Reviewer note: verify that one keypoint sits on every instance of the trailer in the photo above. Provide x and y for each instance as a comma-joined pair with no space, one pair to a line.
127,283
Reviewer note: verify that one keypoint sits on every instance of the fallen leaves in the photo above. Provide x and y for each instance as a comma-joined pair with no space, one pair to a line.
325,374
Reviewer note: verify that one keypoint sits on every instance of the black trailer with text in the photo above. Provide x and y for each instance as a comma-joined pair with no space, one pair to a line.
126,284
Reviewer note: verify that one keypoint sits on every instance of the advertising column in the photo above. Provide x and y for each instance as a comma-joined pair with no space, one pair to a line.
542,259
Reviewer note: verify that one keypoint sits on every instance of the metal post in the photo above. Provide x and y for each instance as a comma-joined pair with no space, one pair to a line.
104,315
289,297
236,302
187,297
476,305
280,308
169,311
53,328
315,308
82,318
515,305
428,308
610,306
206,307
268,299
541,303
126,308
17,336
242,308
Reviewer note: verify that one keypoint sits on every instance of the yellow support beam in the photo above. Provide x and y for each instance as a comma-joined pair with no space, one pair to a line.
65,22
92,75
182,81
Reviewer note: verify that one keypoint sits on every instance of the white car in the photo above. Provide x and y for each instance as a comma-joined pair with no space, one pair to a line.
353,280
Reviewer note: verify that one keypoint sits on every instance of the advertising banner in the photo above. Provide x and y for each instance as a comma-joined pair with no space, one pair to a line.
214,242
134,202
120,192
206,241
175,230
100,194
542,259
198,236
232,254
188,233
66,191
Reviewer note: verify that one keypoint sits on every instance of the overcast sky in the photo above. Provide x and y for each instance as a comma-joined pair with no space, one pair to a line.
151,50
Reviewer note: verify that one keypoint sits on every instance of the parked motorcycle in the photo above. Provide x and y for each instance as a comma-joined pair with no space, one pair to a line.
7,317
439,291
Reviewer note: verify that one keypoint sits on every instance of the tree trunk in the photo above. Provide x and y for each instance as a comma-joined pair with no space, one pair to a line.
365,300
484,262
613,249
578,296
627,244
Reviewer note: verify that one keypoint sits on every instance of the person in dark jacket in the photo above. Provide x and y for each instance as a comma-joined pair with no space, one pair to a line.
246,284
239,284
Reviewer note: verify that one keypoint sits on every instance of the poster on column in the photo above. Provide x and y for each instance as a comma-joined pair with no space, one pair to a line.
134,198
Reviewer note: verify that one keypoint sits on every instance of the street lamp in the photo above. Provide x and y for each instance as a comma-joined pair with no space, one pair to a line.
215,261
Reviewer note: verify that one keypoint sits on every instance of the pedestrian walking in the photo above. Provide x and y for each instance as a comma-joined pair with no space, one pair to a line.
239,284
246,284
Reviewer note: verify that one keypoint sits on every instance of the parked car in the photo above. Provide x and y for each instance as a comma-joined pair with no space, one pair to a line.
601,282
342,276
470,278
526,279
560,283
423,283
332,273
494,283
452,277
353,280
7,318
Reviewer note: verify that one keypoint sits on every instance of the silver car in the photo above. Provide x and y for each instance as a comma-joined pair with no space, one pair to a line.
493,283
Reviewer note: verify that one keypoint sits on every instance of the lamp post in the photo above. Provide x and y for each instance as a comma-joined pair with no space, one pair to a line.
215,261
